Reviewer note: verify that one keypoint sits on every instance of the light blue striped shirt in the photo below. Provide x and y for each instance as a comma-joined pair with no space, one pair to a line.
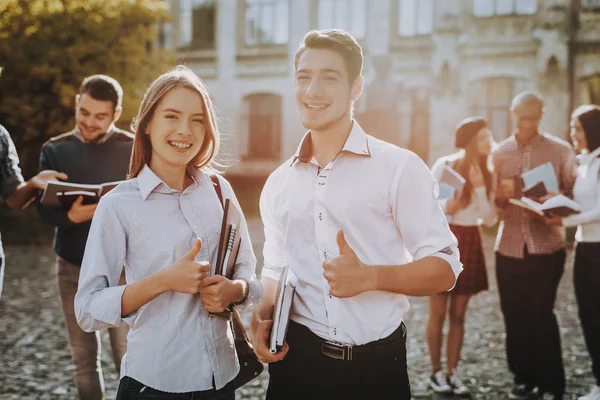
174,345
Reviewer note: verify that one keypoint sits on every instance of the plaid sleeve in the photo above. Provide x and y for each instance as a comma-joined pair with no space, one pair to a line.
10,173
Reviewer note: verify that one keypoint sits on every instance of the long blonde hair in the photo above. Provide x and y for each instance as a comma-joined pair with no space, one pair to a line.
179,76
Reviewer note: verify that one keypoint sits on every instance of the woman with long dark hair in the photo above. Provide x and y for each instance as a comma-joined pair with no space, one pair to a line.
466,211
585,134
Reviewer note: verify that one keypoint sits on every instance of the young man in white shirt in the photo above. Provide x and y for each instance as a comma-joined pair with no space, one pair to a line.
348,214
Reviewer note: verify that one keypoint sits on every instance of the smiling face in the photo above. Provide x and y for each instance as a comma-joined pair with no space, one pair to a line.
177,129
323,94
527,117
578,135
94,117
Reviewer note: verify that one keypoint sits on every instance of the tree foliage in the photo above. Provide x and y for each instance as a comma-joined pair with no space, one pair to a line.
47,47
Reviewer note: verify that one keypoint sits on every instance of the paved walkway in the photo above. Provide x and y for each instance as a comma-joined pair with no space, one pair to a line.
35,358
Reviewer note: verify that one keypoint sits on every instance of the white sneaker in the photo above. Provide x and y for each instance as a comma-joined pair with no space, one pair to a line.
593,395
439,383
458,387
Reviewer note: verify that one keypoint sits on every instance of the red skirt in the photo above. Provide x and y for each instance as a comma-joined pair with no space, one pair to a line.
473,279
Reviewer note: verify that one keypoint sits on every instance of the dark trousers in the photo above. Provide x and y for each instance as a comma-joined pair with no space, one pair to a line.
527,290
130,389
586,276
305,373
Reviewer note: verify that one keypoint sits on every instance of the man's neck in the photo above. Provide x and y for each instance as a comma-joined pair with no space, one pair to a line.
327,144
527,140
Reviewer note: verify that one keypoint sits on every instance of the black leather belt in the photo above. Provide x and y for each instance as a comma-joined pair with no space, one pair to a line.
301,337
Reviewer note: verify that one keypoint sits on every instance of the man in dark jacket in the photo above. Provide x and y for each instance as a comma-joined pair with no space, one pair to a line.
94,152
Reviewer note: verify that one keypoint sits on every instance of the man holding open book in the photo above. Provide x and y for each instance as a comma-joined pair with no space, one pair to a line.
94,152
530,255
348,214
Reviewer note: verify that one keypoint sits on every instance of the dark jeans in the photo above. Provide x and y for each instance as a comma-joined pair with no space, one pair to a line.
527,289
130,389
307,374
586,276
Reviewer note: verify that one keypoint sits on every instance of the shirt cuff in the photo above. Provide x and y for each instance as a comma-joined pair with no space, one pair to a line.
454,262
271,272
9,184
255,294
107,306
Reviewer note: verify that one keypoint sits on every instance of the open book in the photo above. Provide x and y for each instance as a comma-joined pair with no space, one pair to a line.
229,246
64,194
451,183
281,309
544,173
559,205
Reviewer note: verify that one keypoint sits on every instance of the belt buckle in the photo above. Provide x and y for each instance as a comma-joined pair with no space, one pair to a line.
336,350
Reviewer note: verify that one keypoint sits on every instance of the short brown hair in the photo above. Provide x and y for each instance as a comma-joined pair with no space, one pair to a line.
336,40
104,88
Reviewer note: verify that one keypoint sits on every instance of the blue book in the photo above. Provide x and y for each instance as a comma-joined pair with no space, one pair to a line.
544,173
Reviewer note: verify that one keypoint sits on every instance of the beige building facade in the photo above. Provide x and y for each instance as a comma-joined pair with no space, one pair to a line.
428,64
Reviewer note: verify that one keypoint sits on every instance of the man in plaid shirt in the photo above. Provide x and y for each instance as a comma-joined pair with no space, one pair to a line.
13,189
530,255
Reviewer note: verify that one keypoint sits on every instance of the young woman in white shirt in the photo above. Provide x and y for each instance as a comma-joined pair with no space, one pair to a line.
585,134
162,226
466,211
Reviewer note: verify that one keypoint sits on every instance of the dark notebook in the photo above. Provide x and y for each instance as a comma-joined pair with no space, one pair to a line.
63,194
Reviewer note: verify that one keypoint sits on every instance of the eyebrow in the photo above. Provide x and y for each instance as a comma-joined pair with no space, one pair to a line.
99,114
325,71
179,112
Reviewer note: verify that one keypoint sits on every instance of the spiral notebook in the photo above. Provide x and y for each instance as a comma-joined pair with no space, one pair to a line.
229,246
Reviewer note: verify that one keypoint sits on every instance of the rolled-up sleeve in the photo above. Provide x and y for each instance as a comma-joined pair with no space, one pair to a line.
98,298
273,250
245,267
418,215
10,173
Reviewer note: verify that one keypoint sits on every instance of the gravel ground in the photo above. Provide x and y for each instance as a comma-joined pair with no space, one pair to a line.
35,361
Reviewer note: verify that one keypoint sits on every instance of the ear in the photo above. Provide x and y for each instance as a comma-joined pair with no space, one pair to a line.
77,100
357,87
117,113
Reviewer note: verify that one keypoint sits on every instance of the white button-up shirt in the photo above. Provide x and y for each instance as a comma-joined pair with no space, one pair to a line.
143,225
383,198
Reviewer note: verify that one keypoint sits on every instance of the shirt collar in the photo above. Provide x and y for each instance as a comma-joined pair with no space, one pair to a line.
532,143
356,143
103,138
587,159
147,181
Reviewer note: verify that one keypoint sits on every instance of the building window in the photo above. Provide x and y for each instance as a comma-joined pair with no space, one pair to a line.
266,22
488,8
197,24
349,15
589,90
415,17
491,99
262,122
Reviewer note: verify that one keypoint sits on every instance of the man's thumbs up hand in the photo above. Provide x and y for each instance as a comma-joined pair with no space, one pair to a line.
346,274
186,274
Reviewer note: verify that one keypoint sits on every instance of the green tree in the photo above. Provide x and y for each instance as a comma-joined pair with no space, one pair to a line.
47,47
